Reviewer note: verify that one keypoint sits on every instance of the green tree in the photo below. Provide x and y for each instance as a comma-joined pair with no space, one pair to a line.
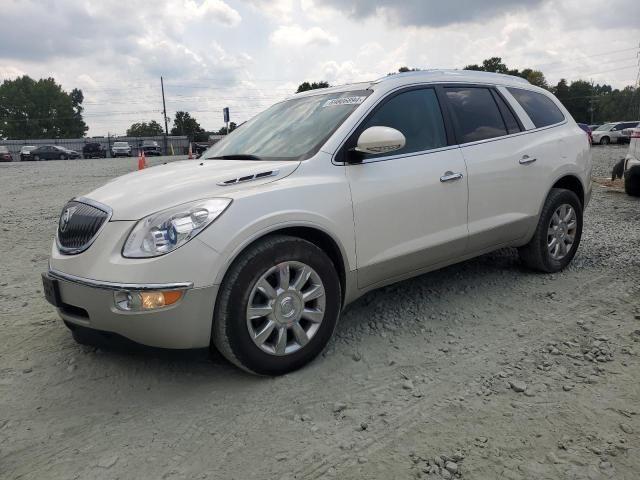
185,124
496,65
535,77
223,130
403,70
144,129
493,64
33,109
306,86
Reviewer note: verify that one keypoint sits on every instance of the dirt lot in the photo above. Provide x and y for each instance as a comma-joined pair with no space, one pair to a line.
482,369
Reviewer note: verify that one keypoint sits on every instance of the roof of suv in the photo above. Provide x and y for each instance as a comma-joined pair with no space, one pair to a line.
426,76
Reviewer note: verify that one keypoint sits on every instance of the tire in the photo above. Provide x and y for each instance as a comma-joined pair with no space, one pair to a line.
537,254
632,185
605,141
62,157
36,158
233,333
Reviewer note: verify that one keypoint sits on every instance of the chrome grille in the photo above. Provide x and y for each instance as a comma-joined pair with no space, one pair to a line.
79,226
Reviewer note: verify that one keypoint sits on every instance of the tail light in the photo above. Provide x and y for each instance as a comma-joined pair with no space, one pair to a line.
635,133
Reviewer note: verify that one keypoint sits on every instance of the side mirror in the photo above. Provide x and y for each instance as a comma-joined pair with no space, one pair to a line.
377,140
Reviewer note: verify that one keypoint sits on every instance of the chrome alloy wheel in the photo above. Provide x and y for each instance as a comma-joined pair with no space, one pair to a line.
562,231
286,307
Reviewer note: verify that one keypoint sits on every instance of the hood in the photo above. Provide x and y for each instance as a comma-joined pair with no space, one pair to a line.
147,191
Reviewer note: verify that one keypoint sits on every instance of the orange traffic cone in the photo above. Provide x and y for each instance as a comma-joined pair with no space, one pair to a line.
141,161
190,152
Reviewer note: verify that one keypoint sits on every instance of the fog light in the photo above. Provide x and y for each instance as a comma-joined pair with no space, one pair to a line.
139,301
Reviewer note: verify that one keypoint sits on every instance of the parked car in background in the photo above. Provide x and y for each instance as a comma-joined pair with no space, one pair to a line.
587,129
25,153
252,249
199,148
5,154
632,165
53,152
625,136
121,149
151,148
94,150
593,127
612,132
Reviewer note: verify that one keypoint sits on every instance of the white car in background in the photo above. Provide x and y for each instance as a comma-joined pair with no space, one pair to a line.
252,249
612,132
121,149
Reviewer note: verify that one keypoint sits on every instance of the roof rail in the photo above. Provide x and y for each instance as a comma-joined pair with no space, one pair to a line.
452,73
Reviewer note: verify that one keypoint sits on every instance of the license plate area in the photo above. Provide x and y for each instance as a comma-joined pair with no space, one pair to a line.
51,289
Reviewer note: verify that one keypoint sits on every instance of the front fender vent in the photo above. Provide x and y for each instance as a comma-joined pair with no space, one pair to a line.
248,178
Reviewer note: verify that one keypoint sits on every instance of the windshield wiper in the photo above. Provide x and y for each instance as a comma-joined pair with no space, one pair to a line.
237,156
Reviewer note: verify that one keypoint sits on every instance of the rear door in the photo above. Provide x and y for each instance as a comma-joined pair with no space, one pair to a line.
503,166
410,206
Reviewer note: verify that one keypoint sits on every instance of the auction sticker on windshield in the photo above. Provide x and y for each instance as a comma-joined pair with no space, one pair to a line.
344,101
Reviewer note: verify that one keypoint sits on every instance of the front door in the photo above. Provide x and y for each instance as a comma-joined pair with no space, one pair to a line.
410,207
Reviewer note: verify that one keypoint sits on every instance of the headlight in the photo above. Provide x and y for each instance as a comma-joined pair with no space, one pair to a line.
169,229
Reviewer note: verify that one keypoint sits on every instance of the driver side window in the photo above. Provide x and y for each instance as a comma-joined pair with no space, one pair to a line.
415,113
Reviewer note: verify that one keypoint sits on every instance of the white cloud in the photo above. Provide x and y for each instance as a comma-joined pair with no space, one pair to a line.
189,11
247,54
278,9
296,36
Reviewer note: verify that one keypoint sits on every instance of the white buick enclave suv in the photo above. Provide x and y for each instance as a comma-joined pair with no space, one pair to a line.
256,247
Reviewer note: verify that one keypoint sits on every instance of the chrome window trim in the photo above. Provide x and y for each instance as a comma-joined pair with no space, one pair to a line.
88,282
87,201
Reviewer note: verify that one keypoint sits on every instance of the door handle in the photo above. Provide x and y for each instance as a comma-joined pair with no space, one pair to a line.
526,159
450,177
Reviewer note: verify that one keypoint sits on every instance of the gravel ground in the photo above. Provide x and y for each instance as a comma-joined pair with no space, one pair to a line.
482,370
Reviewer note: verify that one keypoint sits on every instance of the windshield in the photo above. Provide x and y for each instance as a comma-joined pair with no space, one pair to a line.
290,130
605,127
4,149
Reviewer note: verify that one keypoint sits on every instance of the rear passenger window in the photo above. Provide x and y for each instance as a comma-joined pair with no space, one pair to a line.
415,113
541,109
476,113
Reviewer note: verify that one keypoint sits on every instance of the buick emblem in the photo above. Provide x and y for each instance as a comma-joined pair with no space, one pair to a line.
66,217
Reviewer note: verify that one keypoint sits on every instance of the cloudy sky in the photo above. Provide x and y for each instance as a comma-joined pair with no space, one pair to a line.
247,54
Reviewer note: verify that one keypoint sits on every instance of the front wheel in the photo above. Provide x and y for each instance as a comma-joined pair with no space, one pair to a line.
632,185
557,235
605,141
277,307
36,158
62,157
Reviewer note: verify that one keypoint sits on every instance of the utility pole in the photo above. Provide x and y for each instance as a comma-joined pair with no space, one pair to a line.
164,113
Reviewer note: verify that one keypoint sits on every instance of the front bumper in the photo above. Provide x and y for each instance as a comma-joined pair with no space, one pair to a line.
90,303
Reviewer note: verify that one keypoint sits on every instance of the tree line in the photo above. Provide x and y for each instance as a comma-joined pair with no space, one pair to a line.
42,109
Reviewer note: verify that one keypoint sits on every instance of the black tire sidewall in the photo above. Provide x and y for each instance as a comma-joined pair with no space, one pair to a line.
555,199
242,346
632,184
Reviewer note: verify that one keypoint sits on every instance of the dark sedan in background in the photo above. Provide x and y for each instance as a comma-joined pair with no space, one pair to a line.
151,148
53,152
94,150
